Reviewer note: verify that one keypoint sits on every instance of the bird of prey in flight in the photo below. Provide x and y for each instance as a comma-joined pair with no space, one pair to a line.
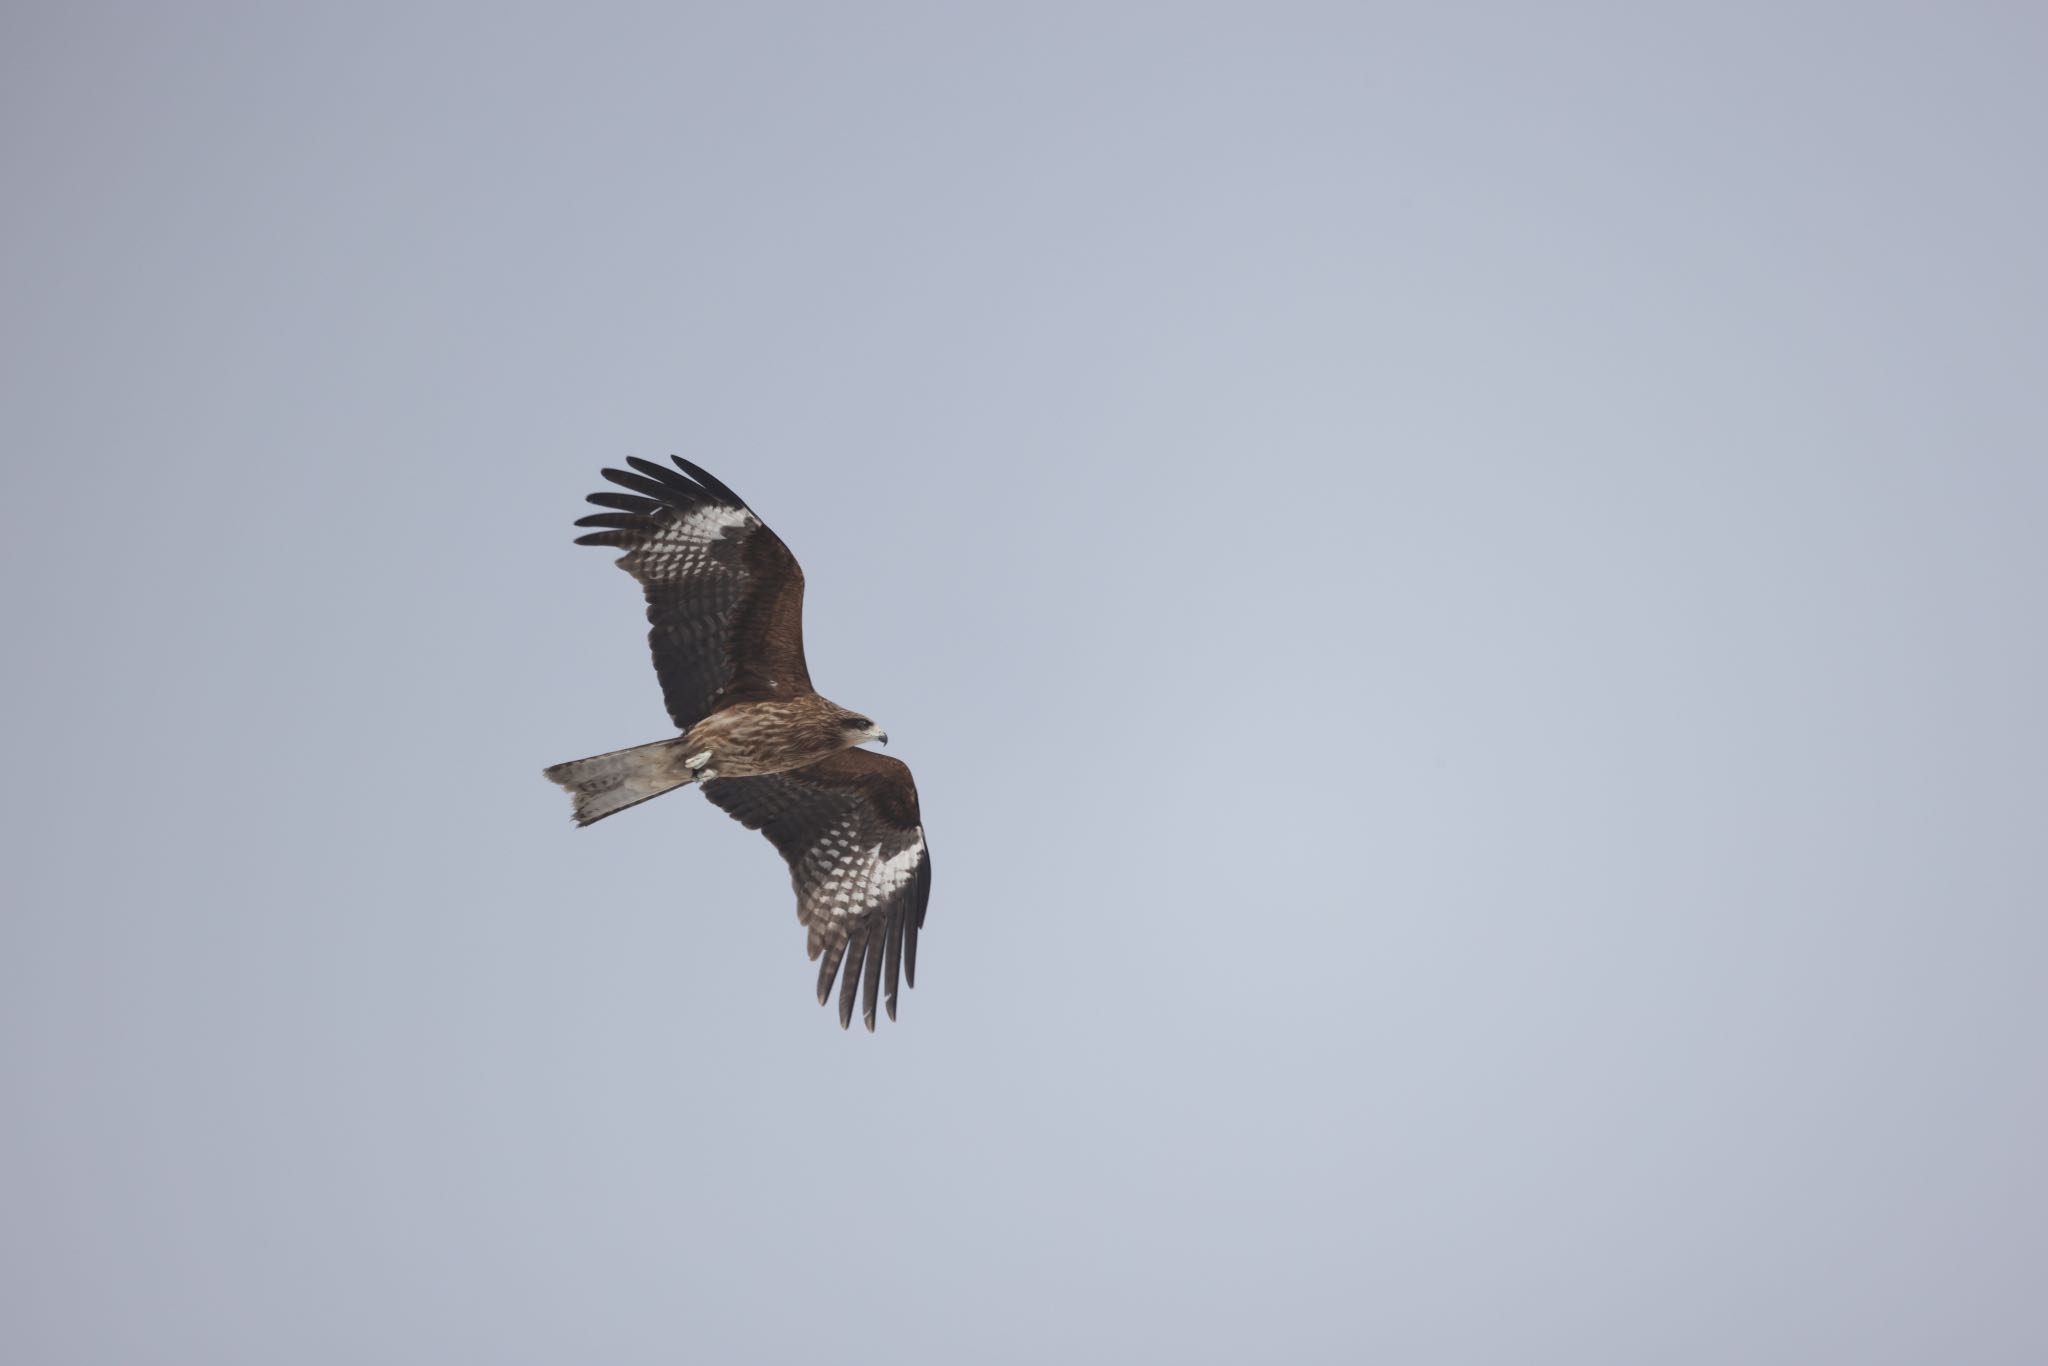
726,601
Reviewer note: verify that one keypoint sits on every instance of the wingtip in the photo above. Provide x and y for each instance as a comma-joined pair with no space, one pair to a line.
709,481
662,474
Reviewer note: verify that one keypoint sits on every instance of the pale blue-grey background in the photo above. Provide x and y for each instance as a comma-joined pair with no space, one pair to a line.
1463,584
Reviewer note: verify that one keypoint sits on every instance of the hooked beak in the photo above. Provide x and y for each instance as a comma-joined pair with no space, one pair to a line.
883,738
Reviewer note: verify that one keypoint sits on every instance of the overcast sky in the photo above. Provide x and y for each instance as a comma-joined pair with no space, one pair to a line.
1463,587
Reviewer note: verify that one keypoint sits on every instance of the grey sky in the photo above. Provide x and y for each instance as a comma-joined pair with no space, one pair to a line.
1463,587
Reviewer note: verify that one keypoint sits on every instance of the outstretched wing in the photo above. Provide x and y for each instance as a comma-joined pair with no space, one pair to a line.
848,828
725,598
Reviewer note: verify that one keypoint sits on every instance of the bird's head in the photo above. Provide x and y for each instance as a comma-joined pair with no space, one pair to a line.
858,730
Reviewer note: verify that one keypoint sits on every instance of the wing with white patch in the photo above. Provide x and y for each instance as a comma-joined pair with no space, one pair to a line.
849,829
725,598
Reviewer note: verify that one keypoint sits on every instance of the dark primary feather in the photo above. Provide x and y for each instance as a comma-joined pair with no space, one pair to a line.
707,479
839,823
724,595
624,502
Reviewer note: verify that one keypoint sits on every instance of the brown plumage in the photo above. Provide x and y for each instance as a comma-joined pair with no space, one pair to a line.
725,601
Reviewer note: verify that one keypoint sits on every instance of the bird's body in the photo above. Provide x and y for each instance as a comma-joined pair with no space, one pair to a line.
748,739
725,599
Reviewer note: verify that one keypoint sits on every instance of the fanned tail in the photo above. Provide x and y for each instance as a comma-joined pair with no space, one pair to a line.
605,784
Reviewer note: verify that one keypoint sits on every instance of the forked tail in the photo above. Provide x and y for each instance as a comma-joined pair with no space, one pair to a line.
605,784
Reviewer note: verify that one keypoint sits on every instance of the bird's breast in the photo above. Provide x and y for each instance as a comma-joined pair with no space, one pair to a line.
752,738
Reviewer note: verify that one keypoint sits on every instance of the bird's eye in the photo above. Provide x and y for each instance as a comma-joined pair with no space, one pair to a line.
858,723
